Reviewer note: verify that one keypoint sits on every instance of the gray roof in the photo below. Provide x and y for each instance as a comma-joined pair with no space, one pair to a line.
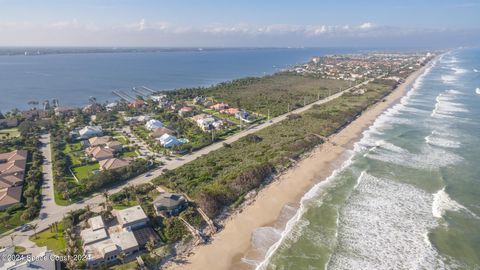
168,201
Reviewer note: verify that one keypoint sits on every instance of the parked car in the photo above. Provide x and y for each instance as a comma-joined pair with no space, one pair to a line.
25,227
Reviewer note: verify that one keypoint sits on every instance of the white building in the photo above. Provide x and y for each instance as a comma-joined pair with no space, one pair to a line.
102,245
169,141
153,124
89,132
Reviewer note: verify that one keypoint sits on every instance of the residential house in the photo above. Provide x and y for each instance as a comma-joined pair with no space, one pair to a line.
219,106
169,141
185,111
135,119
138,103
99,153
132,217
153,124
113,164
103,244
169,204
115,146
230,111
8,123
207,103
98,141
89,132
204,121
244,115
198,100
111,106
159,132
12,173
92,108
10,196
64,111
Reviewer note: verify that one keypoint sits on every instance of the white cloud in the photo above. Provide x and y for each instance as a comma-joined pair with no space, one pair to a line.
366,25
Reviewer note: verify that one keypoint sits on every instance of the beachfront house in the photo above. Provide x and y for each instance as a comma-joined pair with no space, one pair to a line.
153,124
169,204
103,243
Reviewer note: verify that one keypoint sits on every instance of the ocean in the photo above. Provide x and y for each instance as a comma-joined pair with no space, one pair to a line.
73,76
408,194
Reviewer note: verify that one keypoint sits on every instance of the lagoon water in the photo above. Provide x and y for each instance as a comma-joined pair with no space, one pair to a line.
74,77
409,195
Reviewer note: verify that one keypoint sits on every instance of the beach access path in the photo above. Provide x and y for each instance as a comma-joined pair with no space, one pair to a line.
53,213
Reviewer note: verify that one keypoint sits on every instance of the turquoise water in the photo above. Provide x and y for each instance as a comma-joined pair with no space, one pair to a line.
408,197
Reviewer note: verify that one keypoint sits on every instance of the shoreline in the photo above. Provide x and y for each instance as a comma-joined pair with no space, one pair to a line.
232,243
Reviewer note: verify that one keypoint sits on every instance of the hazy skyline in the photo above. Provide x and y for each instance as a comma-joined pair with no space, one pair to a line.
239,23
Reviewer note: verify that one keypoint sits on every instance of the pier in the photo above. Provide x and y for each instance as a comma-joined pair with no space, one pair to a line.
123,95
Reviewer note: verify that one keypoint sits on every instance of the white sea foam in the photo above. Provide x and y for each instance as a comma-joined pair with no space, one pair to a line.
475,70
376,128
428,158
445,107
442,142
458,70
442,202
294,221
477,90
448,79
382,226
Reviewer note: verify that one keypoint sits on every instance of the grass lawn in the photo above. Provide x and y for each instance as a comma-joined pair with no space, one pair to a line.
19,249
72,147
129,153
9,133
127,266
123,205
60,201
85,171
13,221
52,240
121,139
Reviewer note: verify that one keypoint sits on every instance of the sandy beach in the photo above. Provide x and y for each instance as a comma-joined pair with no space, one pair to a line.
229,245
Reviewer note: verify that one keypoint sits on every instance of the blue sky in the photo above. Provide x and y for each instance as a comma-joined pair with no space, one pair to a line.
239,23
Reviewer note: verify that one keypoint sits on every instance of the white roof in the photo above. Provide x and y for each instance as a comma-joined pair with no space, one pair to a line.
131,214
153,124
165,137
90,130
96,223
124,239
89,235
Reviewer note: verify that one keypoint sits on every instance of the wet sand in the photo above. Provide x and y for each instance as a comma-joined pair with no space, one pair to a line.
231,244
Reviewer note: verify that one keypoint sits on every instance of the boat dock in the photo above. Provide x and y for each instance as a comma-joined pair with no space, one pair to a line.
121,94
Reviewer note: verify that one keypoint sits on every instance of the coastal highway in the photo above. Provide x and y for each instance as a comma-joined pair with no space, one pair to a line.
52,212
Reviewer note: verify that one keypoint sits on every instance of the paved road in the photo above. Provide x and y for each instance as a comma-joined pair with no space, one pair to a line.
52,212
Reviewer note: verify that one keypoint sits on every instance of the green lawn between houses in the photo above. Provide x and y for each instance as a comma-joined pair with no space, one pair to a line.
85,171
52,240
9,133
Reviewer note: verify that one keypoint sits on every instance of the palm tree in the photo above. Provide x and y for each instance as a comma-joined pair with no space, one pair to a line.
121,257
150,246
34,228
12,237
